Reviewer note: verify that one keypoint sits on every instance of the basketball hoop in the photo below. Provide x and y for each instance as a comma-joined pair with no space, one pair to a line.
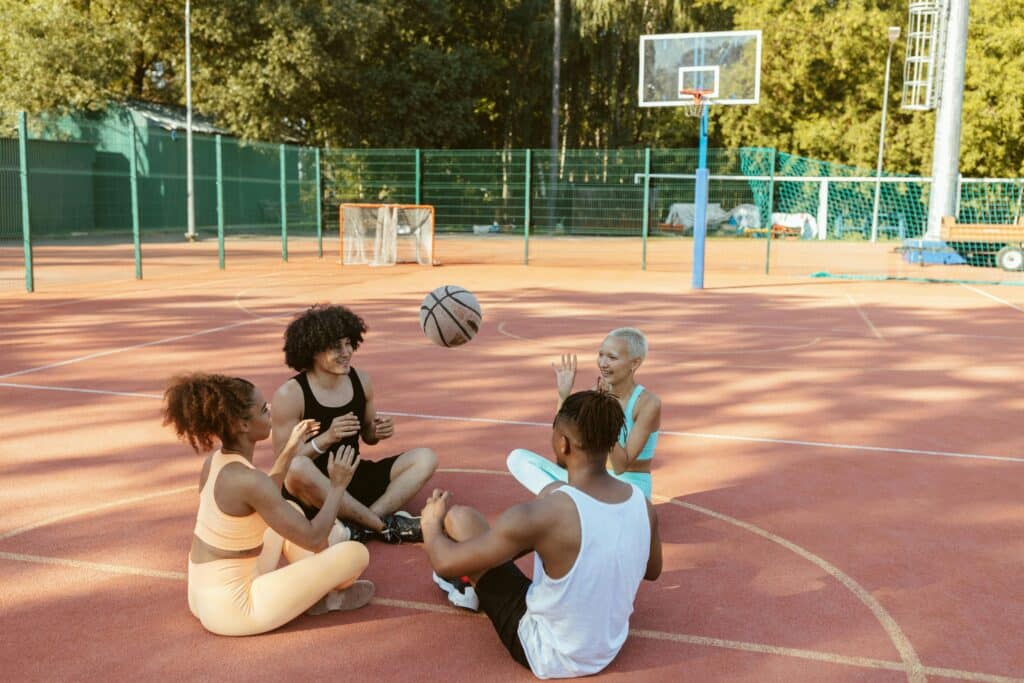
695,99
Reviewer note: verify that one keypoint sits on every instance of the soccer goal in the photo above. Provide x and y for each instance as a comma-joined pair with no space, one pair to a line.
386,234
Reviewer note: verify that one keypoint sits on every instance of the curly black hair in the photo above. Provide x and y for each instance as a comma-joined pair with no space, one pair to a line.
319,329
597,417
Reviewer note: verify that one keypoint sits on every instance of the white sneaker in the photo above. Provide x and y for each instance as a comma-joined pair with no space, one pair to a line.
460,592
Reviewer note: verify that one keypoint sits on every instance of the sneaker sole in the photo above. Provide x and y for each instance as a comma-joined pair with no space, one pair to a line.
467,600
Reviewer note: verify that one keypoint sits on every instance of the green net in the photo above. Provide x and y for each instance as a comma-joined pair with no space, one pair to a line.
80,177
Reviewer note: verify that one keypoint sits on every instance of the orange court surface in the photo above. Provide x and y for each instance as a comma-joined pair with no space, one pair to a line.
838,478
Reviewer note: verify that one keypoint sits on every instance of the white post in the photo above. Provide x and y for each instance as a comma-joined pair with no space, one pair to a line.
946,156
189,174
894,35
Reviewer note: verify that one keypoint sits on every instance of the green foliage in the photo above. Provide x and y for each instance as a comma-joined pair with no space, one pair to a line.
462,73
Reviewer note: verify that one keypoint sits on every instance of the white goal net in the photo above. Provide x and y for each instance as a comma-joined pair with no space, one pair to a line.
386,234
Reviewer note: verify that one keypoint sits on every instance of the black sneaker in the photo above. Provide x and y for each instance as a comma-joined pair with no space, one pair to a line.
360,533
401,527
460,592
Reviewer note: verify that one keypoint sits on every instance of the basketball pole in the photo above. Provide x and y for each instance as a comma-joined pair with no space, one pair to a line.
946,155
700,204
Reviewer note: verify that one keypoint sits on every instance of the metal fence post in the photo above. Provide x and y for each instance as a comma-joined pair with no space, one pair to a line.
419,178
528,192
133,169
284,208
646,221
220,201
26,223
771,208
319,207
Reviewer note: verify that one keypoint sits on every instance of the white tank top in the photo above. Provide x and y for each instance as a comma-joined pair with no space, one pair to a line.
575,625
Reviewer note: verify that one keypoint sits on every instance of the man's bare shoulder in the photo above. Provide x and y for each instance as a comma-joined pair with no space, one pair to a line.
288,398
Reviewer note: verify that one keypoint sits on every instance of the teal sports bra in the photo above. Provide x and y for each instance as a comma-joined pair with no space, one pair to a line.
647,452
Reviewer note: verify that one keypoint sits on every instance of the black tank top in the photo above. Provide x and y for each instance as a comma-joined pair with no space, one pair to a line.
314,410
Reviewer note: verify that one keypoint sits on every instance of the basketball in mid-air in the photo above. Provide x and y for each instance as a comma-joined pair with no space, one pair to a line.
450,316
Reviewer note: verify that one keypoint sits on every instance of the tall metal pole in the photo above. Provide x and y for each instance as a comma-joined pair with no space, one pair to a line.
556,70
946,157
700,205
894,35
189,172
26,219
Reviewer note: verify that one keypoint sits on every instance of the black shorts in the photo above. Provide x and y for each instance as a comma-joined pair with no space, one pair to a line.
371,479
502,593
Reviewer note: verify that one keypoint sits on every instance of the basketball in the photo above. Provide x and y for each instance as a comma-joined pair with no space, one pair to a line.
450,316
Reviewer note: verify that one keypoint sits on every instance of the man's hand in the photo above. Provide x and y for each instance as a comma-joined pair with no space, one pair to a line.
383,427
343,427
565,375
434,511
341,466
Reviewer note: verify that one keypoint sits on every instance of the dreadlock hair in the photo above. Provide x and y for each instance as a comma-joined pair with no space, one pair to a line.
203,407
597,417
320,328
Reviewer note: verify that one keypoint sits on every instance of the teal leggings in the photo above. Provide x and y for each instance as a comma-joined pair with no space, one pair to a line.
535,472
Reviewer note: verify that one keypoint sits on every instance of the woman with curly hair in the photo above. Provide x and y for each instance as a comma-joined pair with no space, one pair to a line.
319,345
243,526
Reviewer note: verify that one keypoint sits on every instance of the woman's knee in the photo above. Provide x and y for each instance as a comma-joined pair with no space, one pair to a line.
353,554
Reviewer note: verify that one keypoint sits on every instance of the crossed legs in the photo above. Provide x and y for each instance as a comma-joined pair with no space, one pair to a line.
409,473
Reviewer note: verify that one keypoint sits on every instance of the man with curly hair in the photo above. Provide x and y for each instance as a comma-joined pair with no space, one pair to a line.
319,345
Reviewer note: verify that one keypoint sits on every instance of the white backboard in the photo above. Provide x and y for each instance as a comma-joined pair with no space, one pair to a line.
727,64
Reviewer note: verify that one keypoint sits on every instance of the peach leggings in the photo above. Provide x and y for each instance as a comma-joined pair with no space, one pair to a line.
246,596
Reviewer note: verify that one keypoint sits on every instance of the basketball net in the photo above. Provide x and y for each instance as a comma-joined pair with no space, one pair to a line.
695,102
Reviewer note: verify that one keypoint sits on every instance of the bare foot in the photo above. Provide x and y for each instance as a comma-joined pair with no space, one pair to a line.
353,597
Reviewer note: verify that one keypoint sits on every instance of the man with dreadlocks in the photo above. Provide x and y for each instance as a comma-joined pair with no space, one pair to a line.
594,539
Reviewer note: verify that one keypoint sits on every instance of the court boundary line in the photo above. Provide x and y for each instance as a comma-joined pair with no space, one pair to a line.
864,317
647,634
911,665
527,423
993,297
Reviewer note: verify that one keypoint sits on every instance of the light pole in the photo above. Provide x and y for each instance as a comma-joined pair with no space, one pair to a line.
893,35
190,235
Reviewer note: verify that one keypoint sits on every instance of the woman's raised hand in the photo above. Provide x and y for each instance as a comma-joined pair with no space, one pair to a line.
565,375
341,466
300,432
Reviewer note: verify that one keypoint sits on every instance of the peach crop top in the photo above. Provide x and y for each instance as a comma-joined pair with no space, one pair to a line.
220,530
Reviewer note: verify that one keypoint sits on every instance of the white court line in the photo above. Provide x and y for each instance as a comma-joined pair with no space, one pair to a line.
864,317
527,423
77,390
110,352
902,644
729,437
993,297
911,665
17,531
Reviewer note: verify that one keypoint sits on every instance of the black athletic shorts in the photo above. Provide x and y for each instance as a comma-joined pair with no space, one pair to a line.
371,479
502,593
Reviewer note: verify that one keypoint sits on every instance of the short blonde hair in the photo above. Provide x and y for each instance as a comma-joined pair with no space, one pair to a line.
635,340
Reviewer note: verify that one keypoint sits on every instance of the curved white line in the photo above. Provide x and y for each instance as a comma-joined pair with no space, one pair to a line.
911,662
